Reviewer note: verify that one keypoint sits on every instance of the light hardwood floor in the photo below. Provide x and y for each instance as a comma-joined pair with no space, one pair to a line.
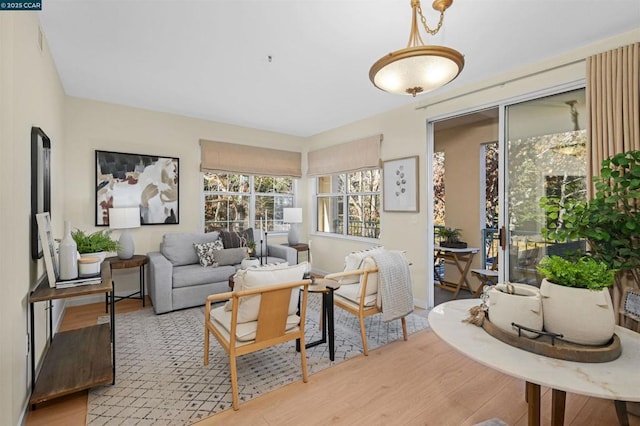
419,382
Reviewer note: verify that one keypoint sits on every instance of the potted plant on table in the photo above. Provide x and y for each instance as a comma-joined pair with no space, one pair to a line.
575,299
96,244
450,237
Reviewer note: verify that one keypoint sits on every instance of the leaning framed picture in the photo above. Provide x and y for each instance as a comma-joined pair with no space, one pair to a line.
400,177
150,182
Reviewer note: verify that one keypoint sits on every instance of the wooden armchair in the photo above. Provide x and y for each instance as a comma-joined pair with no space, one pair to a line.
359,296
275,322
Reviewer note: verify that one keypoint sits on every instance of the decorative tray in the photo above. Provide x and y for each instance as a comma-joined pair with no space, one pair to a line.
556,348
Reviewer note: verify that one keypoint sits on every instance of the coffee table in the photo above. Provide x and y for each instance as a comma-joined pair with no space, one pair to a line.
326,288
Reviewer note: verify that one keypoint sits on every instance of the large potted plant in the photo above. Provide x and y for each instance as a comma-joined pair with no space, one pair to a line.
575,299
610,222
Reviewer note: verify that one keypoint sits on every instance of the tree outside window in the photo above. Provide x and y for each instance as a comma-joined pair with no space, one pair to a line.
349,204
236,202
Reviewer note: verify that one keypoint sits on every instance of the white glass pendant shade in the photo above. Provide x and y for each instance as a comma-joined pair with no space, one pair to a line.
416,70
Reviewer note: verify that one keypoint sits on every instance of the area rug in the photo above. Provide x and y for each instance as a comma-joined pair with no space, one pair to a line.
160,378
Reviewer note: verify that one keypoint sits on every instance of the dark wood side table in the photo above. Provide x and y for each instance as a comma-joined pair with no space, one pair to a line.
77,359
138,260
326,288
300,247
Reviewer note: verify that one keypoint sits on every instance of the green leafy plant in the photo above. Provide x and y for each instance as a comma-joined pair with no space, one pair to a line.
585,272
610,222
94,242
449,235
252,248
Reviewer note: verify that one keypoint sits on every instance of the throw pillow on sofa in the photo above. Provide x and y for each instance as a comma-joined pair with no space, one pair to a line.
229,256
235,239
205,252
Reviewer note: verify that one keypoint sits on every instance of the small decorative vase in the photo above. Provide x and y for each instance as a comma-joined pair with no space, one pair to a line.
68,255
581,315
516,303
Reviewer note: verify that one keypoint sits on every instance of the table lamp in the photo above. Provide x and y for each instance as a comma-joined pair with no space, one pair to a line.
125,218
293,216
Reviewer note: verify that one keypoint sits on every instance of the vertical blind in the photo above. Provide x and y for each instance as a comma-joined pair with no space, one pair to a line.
234,158
360,154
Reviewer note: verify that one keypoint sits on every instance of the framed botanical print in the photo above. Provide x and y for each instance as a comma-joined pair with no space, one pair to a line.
400,177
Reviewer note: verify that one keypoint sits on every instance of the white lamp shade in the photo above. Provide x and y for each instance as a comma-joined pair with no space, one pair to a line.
124,218
292,215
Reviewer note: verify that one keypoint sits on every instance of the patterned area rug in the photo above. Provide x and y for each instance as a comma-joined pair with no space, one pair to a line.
160,378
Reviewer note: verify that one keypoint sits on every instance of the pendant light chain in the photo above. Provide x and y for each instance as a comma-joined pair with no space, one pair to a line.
424,21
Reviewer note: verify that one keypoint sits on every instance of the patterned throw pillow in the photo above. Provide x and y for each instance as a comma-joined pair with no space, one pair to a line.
206,251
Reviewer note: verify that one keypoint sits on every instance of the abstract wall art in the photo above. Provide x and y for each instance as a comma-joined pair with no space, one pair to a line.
149,182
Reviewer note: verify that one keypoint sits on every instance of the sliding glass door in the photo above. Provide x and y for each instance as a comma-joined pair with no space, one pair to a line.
545,157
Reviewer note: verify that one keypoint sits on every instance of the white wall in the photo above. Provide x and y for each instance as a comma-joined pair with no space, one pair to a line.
30,95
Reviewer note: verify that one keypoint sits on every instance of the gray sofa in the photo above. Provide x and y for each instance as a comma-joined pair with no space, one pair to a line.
177,280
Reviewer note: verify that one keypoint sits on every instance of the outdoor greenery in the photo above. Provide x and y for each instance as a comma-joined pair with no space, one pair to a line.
228,200
449,235
610,222
95,242
585,272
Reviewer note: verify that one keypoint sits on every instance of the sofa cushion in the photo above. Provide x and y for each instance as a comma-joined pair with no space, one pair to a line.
265,276
190,275
178,247
245,332
205,252
235,239
229,256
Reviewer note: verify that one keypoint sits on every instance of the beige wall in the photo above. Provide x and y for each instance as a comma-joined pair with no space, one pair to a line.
30,95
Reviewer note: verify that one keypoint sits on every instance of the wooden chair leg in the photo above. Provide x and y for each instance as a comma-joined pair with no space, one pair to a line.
234,382
364,336
404,327
303,362
206,345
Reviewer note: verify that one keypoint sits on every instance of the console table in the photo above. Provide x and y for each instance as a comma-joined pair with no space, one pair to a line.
73,360
616,380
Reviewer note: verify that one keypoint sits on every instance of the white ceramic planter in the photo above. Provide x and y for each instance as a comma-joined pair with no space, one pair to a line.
582,316
523,307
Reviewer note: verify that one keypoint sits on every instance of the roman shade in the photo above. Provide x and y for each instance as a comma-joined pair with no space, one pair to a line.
351,156
219,157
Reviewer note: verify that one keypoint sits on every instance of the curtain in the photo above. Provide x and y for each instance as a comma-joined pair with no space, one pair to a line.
234,158
360,154
613,103
613,121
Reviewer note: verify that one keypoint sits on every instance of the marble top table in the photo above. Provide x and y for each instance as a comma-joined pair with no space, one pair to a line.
618,380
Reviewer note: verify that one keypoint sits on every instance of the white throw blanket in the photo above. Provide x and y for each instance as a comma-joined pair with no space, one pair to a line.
395,294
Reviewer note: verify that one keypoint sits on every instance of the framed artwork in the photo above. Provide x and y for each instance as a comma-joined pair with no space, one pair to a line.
40,184
149,182
43,221
400,179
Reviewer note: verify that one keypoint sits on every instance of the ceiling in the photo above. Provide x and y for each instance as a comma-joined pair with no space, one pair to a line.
210,58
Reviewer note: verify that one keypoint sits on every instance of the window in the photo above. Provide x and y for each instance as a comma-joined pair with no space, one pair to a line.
237,202
349,204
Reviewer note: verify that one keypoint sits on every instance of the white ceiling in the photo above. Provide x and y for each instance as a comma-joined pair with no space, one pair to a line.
209,59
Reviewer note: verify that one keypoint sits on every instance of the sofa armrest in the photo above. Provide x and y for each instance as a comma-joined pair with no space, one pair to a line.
283,252
160,282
